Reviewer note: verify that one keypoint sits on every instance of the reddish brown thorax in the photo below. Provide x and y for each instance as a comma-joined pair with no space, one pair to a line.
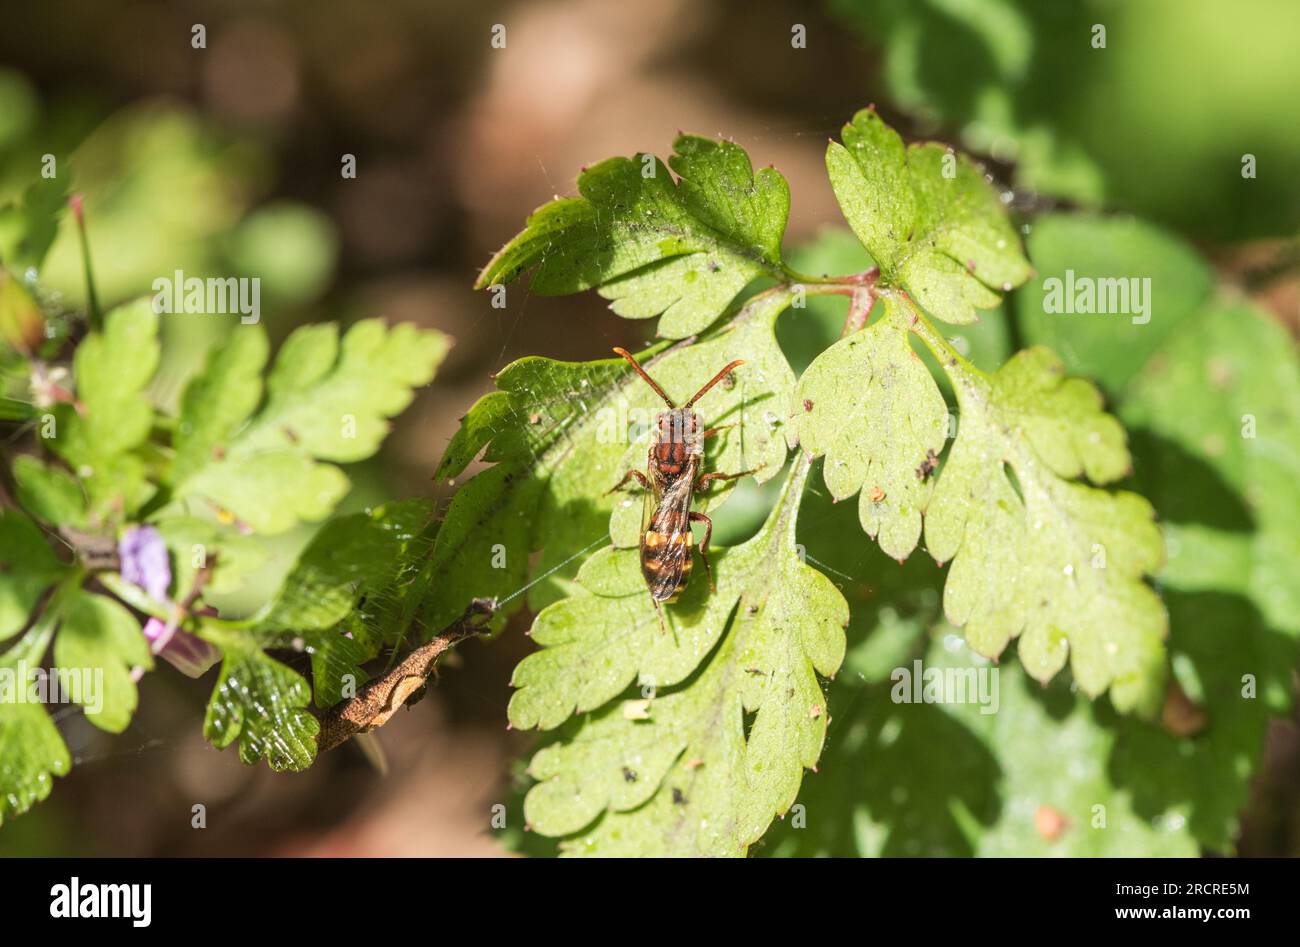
677,439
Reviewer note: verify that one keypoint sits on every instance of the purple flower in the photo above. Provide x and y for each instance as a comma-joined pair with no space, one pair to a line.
143,555
188,653
144,563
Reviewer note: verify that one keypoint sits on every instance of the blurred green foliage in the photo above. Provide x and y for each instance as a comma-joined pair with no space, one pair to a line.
157,430
1156,123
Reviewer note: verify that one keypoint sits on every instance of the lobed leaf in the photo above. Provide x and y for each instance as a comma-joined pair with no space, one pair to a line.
113,416
326,401
97,645
1109,785
31,750
1033,555
356,567
27,568
560,435
262,704
219,401
1210,390
49,493
31,753
654,247
871,406
702,764
928,217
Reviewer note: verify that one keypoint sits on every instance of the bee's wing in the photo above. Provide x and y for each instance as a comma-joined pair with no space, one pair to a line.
666,538
651,503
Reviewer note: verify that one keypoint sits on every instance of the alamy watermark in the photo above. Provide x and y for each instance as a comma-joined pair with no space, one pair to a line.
1105,295
75,899
211,296
946,685
23,684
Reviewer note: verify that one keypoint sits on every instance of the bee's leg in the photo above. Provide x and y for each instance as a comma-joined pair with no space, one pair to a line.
704,546
659,610
715,430
641,478
705,479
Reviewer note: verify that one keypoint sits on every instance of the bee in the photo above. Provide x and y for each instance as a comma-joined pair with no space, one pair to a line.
675,462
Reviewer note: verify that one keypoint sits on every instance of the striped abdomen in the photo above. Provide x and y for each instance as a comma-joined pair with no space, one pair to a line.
666,553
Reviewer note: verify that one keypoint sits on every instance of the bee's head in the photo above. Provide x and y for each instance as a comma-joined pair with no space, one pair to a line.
677,426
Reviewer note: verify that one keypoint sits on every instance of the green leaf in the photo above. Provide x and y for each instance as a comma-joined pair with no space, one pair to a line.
49,493
1034,555
737,712
947,780
272,492
870,405
113,416
326,400
97,645
929,218
348,558
261,703
1239,673
1211,392
219,400
27,568
1073,254
355,563
953,779
28,226
561,435
1022,81
874,187
195,543
22,323
682,250
1219,408
111,369
31,750
333,400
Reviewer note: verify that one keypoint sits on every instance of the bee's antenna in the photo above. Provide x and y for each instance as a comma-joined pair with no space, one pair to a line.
716,378
650,381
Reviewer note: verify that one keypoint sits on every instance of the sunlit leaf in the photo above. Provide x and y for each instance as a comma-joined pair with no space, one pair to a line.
1037,556
701,762
928,217
654,246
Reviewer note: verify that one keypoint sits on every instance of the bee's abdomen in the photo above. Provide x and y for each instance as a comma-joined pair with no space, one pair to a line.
666,560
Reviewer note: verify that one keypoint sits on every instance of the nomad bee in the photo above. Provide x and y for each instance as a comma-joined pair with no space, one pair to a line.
676,457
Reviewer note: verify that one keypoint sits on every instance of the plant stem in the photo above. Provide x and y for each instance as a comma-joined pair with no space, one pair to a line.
866,277
376,703
955,365
76,202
